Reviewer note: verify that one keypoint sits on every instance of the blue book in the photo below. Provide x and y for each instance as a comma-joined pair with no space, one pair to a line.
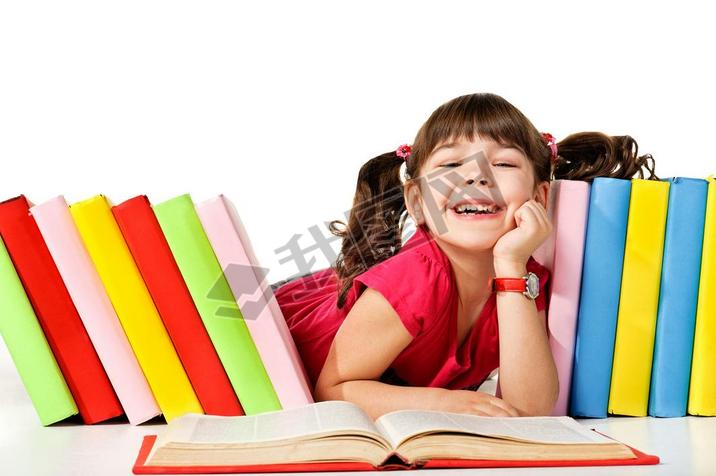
676,318
599,299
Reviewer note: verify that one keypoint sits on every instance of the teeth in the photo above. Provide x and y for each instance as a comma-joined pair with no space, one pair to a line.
473,208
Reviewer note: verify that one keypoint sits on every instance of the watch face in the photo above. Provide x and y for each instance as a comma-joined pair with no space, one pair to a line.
532,285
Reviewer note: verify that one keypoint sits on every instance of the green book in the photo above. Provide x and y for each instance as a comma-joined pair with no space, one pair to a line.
29,349
216,304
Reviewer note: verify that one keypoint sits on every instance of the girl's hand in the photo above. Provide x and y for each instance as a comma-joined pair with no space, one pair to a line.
518,244
476,403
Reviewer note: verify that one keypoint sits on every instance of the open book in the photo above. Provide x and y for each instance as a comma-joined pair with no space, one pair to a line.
335,435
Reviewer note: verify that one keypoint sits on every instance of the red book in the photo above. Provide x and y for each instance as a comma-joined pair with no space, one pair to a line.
166,285
63,328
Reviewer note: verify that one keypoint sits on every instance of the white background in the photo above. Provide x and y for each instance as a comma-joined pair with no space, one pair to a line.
278,104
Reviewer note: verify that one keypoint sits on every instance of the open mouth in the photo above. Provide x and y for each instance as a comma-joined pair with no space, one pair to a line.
468,209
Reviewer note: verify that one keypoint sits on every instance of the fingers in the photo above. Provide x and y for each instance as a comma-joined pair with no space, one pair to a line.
494,406
488,409
542,211
524,212
480,403
539,213
504,406
528,213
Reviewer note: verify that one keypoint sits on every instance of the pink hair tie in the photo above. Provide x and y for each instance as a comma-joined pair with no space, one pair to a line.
549,139
403,151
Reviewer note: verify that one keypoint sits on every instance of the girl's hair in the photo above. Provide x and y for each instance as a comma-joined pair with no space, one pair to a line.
375,224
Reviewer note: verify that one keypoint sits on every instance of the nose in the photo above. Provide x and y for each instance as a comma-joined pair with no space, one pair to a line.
481,181
473,173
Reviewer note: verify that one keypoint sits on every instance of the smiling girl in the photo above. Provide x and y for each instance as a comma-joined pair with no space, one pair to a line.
422,324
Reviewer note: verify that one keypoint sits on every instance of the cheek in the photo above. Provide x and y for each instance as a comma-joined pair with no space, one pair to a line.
514,191
433,200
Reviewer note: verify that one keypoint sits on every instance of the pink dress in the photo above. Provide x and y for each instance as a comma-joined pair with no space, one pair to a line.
419,283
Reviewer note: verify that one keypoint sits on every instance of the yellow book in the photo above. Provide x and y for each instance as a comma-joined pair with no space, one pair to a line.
135,308
639,298
702,388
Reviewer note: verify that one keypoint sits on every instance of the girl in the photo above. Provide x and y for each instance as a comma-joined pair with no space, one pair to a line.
419,326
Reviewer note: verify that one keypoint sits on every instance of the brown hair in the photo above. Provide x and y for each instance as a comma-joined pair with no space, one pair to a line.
375,224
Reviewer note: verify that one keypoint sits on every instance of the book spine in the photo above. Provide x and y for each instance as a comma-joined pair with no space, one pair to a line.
216,304
95,309
673,343
569,227
135,308
68,339
269,331
599,297
544,254
156,264
29,349
639,298
702,388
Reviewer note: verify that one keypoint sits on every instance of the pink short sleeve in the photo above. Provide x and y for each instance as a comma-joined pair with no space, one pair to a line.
413,284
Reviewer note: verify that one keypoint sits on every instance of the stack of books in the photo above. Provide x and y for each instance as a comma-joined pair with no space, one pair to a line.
142,310
632,307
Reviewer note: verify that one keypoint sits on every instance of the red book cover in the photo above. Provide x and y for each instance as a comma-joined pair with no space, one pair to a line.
63,328
141,468
166,285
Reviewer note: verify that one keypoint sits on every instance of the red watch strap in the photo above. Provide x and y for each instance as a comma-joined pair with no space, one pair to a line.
509,284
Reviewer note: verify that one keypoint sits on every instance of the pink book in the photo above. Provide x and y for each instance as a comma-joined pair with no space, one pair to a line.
95,309
256,301
545,253
562,253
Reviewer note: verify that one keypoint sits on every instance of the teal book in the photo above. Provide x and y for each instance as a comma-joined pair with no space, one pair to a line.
599,299
676,318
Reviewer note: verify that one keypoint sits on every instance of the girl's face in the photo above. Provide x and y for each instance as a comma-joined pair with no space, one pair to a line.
492,180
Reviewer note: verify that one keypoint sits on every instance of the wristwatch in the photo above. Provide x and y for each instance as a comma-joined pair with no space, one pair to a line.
527,285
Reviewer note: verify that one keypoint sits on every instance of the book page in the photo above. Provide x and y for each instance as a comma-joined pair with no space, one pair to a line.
404,424
330,417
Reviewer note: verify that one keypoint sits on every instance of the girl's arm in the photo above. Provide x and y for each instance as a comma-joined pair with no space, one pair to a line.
368,341
528,375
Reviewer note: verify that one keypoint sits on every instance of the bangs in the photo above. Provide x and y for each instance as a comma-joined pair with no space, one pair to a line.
485,115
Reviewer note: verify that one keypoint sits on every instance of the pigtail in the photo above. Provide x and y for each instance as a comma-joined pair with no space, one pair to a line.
375,223
586,155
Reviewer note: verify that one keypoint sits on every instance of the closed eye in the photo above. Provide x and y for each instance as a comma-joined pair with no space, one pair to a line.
457,164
